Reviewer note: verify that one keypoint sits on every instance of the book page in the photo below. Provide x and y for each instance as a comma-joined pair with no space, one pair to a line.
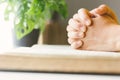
59,50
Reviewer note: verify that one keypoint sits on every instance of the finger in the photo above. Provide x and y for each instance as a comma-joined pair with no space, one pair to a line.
82,28
104,9
71,40
76,35
84,16
75,24
76,17
69,28
107,10
94,13
77,44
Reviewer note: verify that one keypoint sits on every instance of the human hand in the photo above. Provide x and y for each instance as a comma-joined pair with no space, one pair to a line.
77,25
85,15
76,29
104,10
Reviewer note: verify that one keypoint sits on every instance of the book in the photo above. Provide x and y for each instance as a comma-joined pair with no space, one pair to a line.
60,58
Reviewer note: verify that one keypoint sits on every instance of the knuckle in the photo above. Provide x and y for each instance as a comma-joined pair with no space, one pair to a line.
70,40
69,28
70,21
81,10
103,5
72,34
75,16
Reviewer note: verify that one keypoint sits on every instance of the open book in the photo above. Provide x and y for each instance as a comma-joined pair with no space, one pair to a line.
60,58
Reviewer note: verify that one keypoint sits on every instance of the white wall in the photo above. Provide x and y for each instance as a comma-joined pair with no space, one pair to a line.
5,30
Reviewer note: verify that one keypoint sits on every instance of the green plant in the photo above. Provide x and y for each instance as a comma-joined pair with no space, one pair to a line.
31,14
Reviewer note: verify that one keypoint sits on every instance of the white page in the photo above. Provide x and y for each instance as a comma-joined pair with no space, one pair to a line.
59,50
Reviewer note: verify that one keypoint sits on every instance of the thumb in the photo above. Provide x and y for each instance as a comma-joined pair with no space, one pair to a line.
104,9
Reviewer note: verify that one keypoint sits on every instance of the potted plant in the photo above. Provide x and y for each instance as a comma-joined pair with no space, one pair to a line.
33,14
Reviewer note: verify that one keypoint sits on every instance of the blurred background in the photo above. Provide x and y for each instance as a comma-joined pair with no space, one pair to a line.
74,5
56,36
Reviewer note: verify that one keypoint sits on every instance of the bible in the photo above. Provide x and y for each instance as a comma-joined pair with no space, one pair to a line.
59,58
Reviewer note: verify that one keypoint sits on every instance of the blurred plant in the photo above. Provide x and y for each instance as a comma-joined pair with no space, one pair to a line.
33,14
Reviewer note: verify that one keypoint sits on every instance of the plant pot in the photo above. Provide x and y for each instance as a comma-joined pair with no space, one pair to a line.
28,40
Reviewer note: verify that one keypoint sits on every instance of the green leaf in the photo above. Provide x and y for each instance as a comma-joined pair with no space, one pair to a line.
31,14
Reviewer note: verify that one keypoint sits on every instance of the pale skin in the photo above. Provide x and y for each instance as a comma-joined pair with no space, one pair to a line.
97,29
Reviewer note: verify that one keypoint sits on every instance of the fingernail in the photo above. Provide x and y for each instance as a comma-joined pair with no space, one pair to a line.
83,29
77,44
88,22
70,41
81,35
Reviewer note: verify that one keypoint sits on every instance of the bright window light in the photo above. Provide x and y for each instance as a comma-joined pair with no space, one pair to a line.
6,41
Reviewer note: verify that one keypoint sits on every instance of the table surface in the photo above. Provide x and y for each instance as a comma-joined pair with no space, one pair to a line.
54,76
